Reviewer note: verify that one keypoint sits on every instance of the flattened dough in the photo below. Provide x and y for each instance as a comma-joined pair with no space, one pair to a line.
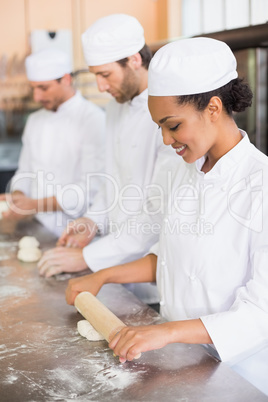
3,207
29,254
85,329
28,242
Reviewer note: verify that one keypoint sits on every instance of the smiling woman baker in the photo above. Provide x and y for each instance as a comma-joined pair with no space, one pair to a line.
213,283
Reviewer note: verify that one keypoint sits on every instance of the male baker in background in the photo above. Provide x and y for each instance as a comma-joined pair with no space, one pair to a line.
115,51
62,143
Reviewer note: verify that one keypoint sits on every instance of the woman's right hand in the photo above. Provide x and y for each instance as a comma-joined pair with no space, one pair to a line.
89,283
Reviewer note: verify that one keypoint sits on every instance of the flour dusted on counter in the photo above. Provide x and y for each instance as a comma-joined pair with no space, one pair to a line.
29,249
85,329
12,291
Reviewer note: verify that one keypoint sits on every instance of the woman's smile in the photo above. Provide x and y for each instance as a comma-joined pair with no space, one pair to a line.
180,150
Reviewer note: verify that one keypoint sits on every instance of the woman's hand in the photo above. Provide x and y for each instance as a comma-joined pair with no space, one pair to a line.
131,341
89,283
142,270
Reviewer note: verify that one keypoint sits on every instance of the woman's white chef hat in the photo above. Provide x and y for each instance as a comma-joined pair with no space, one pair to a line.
191,66
112,38
47,64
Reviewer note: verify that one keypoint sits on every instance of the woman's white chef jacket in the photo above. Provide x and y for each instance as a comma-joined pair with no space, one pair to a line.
134,144
213,250
59,150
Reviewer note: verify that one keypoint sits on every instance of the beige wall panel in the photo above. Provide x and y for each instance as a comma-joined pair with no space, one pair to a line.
19,17
12,28
162,20
146,11
174,19
49,14
77,17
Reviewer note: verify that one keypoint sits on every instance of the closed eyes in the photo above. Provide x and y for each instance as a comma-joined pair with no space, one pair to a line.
175,127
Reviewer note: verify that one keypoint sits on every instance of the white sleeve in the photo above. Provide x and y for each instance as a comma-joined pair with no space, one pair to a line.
91,164
154,249
21,181
136,235
111,250
97,212
246,323
243,329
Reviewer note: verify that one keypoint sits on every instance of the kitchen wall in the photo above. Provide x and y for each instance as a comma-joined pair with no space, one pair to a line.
18,18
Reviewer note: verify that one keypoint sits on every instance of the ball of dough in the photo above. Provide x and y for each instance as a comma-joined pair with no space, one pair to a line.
85,329
29,254
28,242
3,207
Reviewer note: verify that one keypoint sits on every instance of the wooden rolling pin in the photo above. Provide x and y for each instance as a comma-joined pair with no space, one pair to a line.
99,316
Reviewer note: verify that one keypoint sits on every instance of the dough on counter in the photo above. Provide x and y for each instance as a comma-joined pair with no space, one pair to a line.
28,249
28,242
85,329
29,254
3,207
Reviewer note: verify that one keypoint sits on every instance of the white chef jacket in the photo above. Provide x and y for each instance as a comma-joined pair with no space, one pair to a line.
213,250
135,156
60,149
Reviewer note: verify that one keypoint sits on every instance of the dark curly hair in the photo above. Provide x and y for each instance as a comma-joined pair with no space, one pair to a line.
236,96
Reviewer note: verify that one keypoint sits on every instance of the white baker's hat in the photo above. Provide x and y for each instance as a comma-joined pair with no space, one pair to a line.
47,64
191,66
112,38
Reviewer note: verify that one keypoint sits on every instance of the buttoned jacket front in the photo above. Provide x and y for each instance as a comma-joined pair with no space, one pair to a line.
60,149
213,250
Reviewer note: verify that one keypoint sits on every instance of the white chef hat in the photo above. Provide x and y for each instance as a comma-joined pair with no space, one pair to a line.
112,38
191,66
47,64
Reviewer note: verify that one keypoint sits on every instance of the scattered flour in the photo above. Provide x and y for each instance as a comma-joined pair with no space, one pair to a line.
5,271
4,257
9,244
63,277
7,291
115,377
65,383
11,378
7,352
106,379
7,250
